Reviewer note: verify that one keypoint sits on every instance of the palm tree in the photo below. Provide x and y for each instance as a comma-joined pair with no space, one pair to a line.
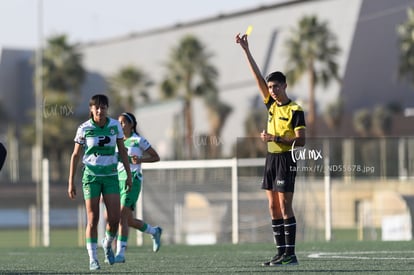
190,74
382,121
363,122
62,76
62,70
311,50
129,87
334,113
406,41
252,145
218,112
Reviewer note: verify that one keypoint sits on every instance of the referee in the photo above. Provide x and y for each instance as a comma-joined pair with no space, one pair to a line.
285,129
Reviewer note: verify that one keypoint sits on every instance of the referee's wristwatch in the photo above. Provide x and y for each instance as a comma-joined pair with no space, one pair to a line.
276,139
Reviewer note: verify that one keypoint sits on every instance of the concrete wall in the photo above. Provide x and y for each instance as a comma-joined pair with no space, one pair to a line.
385,198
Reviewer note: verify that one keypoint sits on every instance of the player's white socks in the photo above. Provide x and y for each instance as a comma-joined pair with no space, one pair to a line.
108,239
91,247
121,247
150,229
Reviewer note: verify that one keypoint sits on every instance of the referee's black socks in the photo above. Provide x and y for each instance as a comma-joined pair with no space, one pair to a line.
290,235
279,235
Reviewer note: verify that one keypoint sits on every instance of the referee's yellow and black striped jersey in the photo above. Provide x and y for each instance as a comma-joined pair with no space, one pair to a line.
283,121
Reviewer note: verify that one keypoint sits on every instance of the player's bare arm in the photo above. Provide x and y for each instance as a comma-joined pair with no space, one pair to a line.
74,160
150,155
261,83
125,161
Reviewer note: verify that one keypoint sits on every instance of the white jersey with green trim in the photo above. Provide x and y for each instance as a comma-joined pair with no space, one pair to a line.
136,146
99,143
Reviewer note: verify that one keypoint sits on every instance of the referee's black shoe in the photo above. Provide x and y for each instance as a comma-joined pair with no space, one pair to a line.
276,258
286,260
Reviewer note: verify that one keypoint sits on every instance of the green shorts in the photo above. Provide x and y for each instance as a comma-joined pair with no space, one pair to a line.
130,199
94,186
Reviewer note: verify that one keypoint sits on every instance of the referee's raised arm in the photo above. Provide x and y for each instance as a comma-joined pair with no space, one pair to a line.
261,83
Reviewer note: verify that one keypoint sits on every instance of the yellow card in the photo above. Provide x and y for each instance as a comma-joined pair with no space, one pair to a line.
249,30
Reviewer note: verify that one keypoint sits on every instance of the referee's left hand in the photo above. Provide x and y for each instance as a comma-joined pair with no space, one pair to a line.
266,137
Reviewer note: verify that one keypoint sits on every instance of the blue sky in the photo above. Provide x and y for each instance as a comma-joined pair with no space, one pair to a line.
91,20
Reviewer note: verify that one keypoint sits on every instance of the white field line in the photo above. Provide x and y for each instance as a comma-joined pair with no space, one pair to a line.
362,255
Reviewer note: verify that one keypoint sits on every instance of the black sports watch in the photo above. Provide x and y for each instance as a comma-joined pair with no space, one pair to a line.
276,139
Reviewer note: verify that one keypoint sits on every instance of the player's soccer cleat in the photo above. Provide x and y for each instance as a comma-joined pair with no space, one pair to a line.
94,265
156,239
109,254
286,260
119,259
273,260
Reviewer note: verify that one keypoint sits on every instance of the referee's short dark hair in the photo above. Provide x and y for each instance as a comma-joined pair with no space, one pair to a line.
276,76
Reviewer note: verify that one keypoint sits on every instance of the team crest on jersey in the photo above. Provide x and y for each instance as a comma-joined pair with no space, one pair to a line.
112,132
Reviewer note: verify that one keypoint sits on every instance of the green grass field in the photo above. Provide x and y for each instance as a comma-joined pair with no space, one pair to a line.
314,258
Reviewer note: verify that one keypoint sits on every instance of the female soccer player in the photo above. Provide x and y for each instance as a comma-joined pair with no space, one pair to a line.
139,151
99,137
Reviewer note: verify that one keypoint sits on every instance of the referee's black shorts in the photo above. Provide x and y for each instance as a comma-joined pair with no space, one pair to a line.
279,173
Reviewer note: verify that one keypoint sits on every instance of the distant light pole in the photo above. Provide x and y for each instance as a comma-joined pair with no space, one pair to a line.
39,117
